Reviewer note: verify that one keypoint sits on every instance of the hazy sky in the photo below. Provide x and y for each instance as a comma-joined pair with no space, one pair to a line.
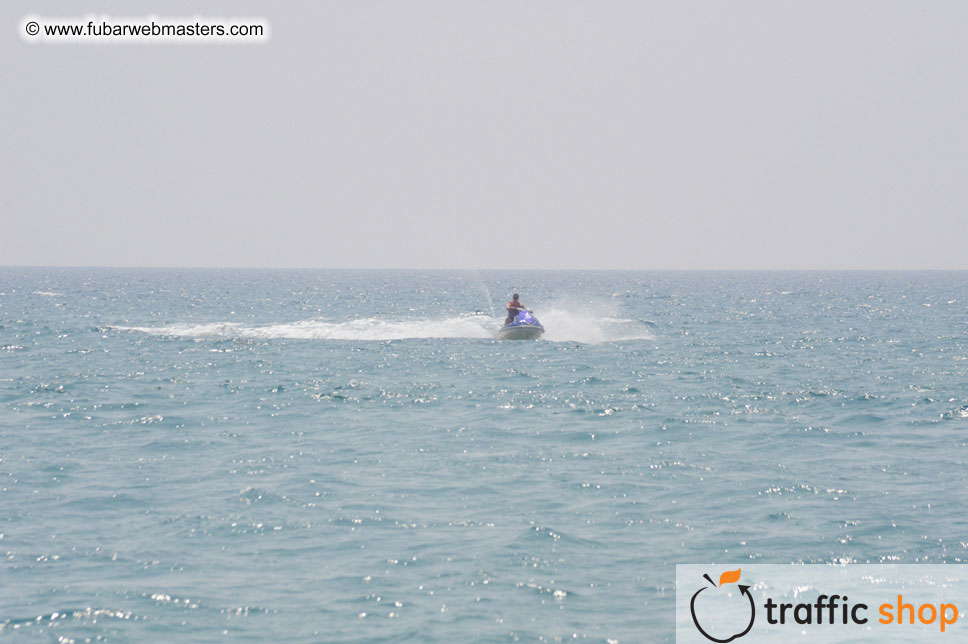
546,134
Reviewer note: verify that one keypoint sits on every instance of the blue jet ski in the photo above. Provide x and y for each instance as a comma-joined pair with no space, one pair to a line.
524,327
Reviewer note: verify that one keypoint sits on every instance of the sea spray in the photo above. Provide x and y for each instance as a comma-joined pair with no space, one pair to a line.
562,325
479,281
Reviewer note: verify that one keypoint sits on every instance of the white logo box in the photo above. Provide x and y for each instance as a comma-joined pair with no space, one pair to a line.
780,603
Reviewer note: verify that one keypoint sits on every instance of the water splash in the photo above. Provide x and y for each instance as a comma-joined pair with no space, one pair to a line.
564,325
479,282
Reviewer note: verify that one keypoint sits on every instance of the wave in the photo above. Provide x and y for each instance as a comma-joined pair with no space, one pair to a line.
560,326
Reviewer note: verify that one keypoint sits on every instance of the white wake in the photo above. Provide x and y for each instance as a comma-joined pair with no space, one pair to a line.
560,326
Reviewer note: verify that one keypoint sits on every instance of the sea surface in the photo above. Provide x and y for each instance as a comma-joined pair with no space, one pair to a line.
350,456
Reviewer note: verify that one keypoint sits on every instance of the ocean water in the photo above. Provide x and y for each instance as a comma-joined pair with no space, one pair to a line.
350,456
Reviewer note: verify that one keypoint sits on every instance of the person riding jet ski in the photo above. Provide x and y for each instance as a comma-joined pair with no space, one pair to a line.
513,308
520,323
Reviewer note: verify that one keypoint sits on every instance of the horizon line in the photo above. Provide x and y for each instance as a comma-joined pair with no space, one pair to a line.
411,268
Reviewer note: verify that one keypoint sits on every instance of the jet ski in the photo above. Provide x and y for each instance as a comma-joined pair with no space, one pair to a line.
524,327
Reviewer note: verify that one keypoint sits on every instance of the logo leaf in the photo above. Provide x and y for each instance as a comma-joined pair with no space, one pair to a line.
729,577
